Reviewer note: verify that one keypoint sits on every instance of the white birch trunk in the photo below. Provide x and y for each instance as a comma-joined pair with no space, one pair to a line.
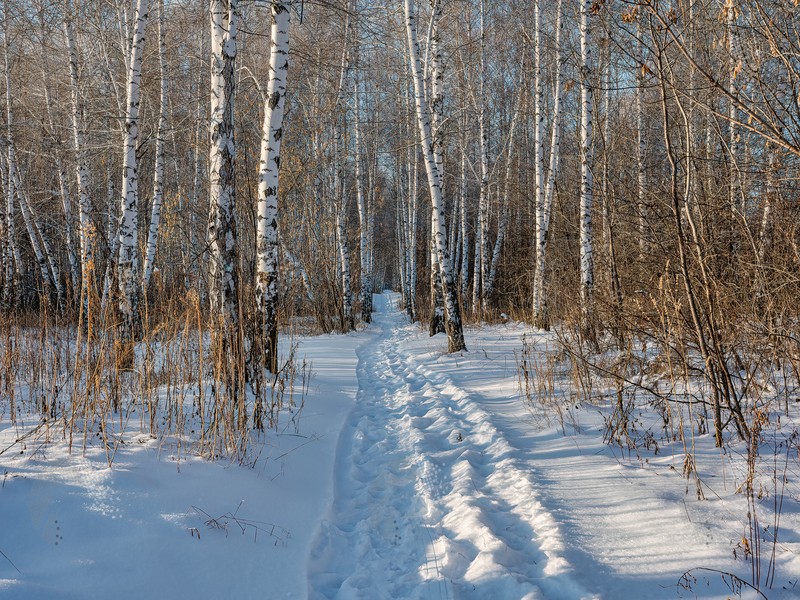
158,172
409,209
402,257
81,160
128,258
266,285
455,334
476,264
222,156
765,230
641,179
538,117
454,242
608,227
733,133
437,320
6,259
436,95
112,238
586,261
14,257
413,208
363,218
481,268
339,190
372,187
463,224
540,312
13,260
13,266
193,268
348,321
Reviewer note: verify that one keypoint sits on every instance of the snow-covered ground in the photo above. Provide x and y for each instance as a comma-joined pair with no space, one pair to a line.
413,474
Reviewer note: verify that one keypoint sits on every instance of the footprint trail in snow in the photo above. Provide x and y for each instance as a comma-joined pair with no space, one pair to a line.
431,500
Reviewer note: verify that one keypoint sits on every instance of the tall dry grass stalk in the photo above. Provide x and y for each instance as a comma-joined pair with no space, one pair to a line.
178,382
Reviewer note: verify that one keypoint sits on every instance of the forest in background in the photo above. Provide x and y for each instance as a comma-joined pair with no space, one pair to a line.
623,170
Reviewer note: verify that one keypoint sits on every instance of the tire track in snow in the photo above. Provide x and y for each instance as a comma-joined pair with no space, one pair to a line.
430,499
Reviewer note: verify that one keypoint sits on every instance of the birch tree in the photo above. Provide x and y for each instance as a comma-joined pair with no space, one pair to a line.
540,313
363,216
266,288
436,95
586,261
734,187
481,267
407,166
128,259
222,232
158,171
79,147
453,325
6,258
13,258
641,178
340,188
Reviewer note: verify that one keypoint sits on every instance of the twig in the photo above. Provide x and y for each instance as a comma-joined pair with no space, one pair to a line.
11,562
736,582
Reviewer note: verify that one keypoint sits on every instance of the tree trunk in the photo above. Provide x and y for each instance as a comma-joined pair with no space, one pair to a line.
586,262
363,217
455,334
158,176
340,190
222,227
538,135
481,268
267,224
540,312
128,259
641,178
66,201
436,95
81,160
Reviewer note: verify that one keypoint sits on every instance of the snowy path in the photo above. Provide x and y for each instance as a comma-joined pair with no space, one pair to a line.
431,499
409,473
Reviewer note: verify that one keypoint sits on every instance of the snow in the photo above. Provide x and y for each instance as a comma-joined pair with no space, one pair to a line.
412,474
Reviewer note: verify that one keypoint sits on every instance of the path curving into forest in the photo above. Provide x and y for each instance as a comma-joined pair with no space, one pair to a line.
431,498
